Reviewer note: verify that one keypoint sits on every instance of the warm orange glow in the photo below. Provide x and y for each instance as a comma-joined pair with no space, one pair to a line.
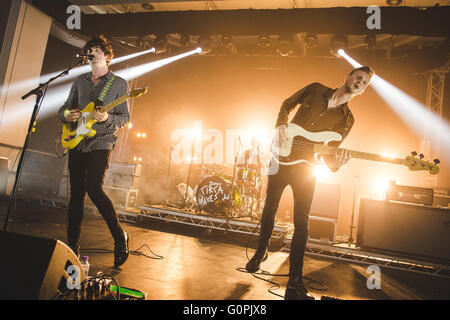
322,172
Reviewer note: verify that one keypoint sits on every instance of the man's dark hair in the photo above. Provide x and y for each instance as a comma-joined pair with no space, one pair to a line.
104,45
365,69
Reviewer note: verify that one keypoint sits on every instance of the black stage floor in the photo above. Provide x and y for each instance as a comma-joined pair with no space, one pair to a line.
192,263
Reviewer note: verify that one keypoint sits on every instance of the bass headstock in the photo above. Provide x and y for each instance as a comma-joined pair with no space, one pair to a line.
416,163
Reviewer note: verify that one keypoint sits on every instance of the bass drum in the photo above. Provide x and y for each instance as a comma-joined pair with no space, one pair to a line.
213,195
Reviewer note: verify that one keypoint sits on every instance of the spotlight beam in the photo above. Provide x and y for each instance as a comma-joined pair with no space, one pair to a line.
56,95
22,86
414,113
137,71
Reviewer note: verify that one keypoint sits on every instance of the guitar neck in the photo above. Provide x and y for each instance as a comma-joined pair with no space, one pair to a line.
360,155
374,157
115,103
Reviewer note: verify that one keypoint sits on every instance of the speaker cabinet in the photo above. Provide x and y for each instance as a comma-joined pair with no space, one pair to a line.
324,213
35,268
412,230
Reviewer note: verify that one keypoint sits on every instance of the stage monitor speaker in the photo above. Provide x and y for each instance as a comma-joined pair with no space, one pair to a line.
34,268
412,230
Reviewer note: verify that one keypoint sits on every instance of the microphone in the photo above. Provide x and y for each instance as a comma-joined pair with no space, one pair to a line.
85,56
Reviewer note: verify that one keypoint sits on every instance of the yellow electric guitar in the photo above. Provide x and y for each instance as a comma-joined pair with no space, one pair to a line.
71,138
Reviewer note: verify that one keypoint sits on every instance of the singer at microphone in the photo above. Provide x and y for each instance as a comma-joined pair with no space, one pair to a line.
85,56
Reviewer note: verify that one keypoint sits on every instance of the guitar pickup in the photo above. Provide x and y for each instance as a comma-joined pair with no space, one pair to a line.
69,138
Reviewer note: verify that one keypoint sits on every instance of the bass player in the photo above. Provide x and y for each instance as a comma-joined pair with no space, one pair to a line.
322,109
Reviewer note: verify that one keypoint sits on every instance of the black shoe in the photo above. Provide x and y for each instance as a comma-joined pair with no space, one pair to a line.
121,252
253,264
296,290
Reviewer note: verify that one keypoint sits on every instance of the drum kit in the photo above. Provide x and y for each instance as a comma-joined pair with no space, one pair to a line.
240,195
235,195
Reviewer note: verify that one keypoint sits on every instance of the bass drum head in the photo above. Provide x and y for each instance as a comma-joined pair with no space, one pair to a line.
213,195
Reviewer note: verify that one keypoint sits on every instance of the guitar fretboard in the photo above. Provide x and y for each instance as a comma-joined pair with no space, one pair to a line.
358,154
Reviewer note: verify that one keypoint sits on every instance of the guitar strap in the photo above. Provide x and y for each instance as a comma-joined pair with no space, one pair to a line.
105,89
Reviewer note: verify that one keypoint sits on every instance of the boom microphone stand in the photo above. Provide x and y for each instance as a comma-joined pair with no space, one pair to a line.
39,91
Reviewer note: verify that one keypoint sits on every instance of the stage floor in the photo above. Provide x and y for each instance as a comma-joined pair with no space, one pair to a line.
192,263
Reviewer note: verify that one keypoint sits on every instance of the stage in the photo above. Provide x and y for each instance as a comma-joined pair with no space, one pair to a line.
186,260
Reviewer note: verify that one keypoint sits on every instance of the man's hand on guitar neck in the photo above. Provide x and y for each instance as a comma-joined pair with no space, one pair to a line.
334,162
99,116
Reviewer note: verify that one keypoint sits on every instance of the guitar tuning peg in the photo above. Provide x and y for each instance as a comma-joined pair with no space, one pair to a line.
414,153
436,161
421,156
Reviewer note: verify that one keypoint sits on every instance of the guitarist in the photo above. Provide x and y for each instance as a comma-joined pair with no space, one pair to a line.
88,161
322,109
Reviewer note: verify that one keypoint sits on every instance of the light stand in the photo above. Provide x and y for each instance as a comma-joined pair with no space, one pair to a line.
355,196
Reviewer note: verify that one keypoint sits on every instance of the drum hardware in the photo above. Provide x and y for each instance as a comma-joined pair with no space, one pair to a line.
189,172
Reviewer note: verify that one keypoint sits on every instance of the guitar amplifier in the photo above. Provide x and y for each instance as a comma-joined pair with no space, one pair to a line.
123,175
410,194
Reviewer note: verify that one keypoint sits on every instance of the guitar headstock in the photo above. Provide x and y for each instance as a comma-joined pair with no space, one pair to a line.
415,163
138,92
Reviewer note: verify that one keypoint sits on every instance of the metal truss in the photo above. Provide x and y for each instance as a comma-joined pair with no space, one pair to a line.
208,221
434,103
356,255
123,215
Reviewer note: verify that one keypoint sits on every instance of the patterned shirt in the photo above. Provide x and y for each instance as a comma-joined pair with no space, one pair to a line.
314,115
82,92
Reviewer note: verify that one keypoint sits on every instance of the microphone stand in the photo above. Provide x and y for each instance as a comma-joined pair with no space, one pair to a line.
189,172
230,210
166,203
39,91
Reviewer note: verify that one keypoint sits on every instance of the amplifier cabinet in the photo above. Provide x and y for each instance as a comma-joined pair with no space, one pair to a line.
410,194
123,175
412,230
322,230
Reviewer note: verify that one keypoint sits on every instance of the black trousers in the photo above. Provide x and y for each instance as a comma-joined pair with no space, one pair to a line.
86,172
302,180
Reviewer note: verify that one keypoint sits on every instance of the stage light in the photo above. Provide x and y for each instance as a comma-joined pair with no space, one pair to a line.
263,41
338,42
385,155
370,41
138,134
129,125
310,40
381,185
227,41
144,135
147,6
394,2
185,40
412,112
321,172
205,42
285,45
161,44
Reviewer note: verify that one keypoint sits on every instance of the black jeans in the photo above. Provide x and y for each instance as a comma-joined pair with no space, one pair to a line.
302,180
86,172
